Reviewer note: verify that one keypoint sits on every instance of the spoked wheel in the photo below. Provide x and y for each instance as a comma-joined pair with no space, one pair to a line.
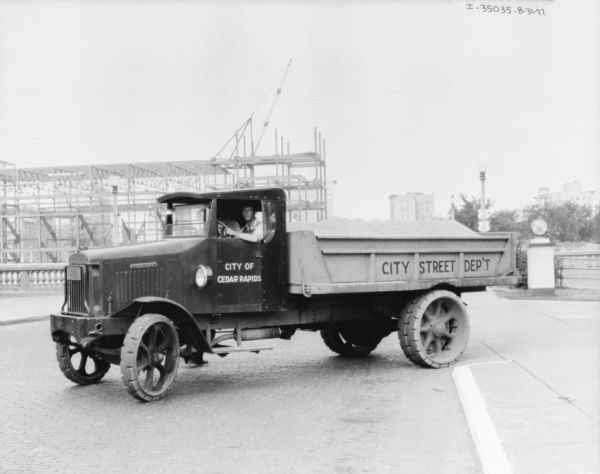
350,342
78,365
149,357
434,329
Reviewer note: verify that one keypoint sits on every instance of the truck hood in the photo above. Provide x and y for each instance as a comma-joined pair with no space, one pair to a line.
164,248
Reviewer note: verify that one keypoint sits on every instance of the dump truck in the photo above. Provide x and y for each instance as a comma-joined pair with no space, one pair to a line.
203,290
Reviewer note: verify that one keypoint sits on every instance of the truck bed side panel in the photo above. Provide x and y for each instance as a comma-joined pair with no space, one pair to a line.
320,265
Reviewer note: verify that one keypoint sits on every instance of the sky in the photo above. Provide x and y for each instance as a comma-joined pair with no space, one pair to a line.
410,96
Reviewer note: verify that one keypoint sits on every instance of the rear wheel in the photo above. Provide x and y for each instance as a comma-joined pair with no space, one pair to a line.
78,365
150,357
434,329
350,342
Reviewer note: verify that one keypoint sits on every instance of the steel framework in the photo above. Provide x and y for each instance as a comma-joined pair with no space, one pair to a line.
49,212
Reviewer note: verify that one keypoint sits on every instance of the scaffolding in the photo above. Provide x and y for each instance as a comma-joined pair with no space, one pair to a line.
48,213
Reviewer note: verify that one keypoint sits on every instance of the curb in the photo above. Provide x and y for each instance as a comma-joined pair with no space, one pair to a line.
487,443
28,319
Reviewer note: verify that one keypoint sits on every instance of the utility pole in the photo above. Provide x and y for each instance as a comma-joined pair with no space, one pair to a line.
483,215
113,181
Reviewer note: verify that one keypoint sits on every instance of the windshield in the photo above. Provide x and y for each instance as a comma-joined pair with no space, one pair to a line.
188,220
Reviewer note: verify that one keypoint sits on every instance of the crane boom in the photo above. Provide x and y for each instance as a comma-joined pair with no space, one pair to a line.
272,107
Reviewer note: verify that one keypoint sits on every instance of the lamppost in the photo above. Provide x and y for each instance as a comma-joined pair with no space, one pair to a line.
113,181
483,216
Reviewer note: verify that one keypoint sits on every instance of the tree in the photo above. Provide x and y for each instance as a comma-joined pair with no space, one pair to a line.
467,213
596,225
567,222
506,220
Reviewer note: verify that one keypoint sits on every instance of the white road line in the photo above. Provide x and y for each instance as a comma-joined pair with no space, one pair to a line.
489,447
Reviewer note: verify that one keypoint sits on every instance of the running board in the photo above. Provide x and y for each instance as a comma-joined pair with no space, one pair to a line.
227,350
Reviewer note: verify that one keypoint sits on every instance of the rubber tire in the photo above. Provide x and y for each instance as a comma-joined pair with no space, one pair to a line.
66,367
129,350
338,343
409,331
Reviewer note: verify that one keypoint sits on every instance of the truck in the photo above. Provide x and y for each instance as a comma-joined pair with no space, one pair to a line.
201,290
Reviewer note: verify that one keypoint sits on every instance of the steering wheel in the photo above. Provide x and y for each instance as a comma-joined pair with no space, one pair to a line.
222,230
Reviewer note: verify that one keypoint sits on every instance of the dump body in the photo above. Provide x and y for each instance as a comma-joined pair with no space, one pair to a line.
324,263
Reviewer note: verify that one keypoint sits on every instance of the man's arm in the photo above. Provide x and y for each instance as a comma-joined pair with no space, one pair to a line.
255,236
241,235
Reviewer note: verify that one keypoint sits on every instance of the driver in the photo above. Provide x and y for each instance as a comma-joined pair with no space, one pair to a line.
252,230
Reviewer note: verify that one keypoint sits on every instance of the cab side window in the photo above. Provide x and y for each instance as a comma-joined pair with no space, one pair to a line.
240,219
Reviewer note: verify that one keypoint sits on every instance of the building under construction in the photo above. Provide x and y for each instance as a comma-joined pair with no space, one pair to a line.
49,212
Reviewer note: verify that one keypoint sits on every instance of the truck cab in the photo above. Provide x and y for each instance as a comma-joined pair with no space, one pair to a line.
230,274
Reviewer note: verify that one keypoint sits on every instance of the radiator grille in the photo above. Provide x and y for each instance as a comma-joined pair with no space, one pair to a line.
134,283
77,289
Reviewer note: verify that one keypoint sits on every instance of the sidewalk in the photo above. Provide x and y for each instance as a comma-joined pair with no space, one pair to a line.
18,308
536,365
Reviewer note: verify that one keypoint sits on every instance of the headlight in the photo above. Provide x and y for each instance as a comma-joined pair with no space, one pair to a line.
203,276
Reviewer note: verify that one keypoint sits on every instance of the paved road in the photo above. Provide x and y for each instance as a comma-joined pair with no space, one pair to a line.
301,409
298,408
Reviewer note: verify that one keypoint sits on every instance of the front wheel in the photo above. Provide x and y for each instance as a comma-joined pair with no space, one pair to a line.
350,342
150,357
434,329
78,365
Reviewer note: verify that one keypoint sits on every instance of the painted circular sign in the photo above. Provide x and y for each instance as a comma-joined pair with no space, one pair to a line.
539,226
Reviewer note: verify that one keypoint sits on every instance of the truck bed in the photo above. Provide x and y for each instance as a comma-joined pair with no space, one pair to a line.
342,256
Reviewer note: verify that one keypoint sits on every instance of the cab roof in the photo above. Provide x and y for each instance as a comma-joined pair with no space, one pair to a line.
184,197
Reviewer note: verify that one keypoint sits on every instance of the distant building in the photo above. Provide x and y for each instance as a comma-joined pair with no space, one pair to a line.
411,206
572,192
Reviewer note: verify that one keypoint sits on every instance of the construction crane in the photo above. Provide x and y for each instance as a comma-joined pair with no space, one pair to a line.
247,126
272,108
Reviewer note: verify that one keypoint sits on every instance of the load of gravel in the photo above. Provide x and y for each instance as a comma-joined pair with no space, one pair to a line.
344,228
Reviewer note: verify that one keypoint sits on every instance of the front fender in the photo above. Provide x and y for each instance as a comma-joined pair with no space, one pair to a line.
181,317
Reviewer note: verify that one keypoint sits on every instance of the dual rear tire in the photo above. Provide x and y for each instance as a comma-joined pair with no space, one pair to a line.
349,341
433,331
